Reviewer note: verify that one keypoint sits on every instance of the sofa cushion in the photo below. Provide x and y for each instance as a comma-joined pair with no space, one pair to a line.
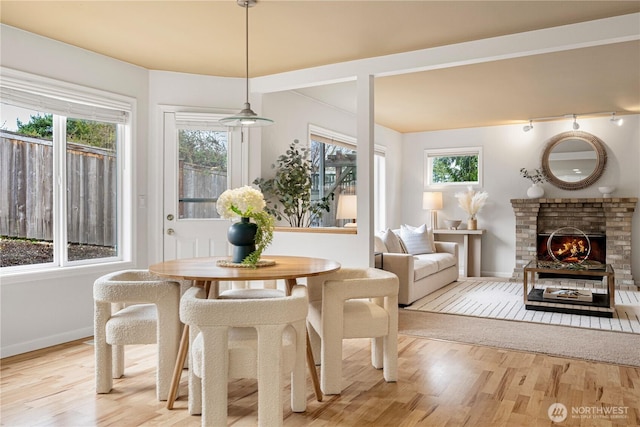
427,264
417,240
424,266
392,242
444,259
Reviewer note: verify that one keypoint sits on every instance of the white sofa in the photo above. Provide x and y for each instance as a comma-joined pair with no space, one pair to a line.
420,274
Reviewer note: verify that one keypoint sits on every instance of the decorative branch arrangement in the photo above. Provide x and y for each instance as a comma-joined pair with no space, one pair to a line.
537,177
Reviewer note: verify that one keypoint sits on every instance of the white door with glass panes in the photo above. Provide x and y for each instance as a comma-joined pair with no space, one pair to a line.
198,154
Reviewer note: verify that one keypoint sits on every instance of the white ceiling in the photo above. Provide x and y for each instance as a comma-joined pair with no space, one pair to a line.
207,37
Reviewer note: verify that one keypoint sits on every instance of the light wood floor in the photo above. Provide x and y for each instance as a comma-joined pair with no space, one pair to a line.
440,384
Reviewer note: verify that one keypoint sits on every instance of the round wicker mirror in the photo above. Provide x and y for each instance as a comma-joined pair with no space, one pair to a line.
574,160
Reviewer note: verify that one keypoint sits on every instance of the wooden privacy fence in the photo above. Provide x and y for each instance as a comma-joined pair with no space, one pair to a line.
26,191
200,187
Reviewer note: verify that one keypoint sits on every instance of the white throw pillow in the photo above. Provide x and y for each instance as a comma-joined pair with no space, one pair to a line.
378,244
391,241
418,240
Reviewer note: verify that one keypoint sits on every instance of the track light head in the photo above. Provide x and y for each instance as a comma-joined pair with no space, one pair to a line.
576,126
616,120
528,127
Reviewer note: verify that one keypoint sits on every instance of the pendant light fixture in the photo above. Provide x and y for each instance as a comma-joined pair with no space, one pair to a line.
246,117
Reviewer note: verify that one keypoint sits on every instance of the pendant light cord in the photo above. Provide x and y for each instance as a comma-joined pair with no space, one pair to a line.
246,117
246,50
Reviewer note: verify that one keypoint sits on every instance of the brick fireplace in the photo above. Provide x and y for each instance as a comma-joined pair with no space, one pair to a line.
611,217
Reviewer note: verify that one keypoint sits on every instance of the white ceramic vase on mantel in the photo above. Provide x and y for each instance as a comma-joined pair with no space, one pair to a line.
535,191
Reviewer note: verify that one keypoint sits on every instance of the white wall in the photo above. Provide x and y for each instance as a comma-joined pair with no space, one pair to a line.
506,149
44,309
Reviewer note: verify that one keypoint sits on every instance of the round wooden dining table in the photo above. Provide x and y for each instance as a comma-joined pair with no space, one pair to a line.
206,272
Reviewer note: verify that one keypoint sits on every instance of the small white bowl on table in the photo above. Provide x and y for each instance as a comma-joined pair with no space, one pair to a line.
452,224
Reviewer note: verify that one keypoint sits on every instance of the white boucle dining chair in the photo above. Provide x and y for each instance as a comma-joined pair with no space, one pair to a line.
241,337
353,303
135,307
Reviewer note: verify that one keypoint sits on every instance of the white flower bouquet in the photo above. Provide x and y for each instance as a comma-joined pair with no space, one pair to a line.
247,202
240,202
472,201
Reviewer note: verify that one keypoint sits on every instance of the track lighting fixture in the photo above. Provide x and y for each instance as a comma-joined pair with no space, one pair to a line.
614,119
246,117
576,126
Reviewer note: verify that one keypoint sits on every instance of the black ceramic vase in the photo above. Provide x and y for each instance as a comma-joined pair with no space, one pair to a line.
242,235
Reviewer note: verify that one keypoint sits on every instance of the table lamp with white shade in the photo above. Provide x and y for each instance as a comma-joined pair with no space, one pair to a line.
432,201
348,208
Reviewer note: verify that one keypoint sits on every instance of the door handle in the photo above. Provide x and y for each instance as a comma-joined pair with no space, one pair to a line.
170,231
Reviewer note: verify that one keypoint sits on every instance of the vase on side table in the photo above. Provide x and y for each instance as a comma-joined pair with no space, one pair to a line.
242,235
535,191
472,224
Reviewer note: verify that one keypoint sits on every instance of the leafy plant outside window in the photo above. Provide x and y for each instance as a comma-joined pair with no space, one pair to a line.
453,167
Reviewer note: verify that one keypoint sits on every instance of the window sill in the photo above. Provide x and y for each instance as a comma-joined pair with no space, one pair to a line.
322,230
54,272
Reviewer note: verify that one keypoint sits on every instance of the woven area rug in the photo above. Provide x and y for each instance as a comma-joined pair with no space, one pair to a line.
502,299
561,341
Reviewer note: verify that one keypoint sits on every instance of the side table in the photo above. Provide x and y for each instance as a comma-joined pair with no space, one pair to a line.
471,253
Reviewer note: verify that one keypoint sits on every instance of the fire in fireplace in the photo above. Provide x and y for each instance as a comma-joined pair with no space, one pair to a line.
572,247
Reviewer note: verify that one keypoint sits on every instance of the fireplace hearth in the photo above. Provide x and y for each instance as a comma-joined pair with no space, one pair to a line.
606,221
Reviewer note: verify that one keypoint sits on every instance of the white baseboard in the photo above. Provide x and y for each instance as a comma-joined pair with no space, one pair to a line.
502,274
491,274
48,341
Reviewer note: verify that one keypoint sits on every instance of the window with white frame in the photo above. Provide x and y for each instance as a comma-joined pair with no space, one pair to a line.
66,174
379,193
453,167
333,158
